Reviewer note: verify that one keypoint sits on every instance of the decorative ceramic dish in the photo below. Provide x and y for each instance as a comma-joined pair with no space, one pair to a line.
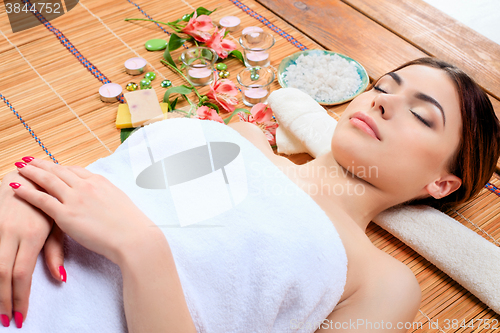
291,60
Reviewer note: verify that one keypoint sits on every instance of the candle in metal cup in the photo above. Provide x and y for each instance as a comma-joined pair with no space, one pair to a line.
231,23
109,92
199,74
135,66
255,94
257,58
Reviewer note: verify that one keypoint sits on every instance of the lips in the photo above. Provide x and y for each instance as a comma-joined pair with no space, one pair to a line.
366,124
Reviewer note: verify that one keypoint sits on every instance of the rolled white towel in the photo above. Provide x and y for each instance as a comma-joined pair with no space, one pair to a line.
305,126
458,251
461,253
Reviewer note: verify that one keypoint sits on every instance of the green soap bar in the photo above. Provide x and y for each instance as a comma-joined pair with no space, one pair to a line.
156,44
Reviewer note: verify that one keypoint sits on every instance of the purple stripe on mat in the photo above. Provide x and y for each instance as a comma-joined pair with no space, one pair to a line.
493,188
149,17
28,128
269,24
101,77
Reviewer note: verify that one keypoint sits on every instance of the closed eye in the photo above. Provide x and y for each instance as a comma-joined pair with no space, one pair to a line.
377,88
421,119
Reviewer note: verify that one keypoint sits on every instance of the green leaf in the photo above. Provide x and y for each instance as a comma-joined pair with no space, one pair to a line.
173,44
174,103
183,90
237,54
125,133
168,58
204,11
213,106
226,121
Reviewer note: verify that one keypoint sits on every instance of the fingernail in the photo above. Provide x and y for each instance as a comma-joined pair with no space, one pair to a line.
15,185
62,271
20,164
18,318
5,321
28,159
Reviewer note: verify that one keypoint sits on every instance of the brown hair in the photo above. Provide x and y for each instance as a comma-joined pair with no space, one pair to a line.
479,148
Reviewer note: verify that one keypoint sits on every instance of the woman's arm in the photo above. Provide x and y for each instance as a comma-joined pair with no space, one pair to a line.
152,291
387,302
102,218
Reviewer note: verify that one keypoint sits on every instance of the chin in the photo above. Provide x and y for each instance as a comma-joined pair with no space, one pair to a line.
356,161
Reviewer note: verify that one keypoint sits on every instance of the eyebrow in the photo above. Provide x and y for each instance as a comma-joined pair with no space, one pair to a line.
420,96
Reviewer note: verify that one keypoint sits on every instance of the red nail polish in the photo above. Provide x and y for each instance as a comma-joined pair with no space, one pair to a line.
20,164
5,321
28,159
62,271
15,185
18,318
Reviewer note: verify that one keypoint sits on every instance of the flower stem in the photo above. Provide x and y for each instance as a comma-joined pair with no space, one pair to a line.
185,78
140,19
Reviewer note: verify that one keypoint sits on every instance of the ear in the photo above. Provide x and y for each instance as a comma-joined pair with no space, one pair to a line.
443,186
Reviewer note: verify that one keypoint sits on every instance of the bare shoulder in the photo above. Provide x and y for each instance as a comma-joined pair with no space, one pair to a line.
388,297
254,134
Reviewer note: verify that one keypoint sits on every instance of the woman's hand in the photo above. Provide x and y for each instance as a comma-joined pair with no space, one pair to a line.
86,206
23,233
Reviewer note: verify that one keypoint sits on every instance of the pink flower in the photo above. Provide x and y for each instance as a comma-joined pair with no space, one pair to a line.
261,112
261,115
205,113
198,27
224,92
221,45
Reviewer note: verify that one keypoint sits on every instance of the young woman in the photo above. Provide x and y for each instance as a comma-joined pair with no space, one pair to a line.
426,128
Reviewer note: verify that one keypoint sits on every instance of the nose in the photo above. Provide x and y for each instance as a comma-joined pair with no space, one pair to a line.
385,104
378,106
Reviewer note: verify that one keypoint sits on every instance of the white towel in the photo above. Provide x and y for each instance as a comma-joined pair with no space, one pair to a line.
458,251
305,126
465,256
251,266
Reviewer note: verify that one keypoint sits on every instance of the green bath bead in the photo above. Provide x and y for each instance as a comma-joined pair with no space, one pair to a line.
186,17
166,83
131,86
156,44
254,77
145,84
223,74
150,76
221,66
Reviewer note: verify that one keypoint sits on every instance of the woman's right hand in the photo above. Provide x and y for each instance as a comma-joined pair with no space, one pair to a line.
24,229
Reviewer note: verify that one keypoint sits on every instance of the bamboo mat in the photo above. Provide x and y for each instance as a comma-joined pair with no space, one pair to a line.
77,128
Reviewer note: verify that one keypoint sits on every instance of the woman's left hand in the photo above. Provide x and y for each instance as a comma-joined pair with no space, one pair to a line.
86,206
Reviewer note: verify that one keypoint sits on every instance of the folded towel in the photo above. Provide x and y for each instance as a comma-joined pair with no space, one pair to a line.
458,251
305,126
250,264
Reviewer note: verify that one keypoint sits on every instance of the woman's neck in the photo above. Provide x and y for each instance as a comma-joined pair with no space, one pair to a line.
355,200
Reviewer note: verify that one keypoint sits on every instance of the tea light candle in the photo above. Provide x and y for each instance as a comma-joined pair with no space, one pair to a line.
231,23
199,74
254,34
256,58
109,92
135,66
255,95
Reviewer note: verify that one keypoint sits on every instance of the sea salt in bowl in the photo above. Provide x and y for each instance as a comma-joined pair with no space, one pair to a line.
328,77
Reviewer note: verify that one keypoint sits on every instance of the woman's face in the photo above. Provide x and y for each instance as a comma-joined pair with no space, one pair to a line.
400,135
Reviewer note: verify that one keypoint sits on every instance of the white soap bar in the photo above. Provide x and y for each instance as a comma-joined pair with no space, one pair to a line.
144,107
